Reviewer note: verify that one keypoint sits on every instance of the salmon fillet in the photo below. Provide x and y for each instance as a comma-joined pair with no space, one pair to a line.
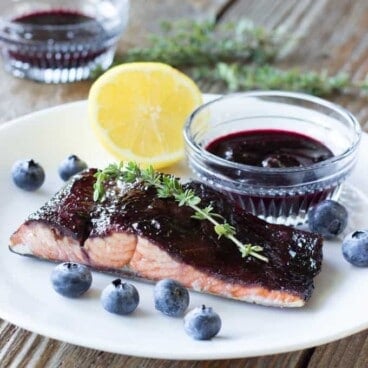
134,233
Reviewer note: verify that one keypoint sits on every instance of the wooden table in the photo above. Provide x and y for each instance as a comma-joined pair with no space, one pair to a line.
329,34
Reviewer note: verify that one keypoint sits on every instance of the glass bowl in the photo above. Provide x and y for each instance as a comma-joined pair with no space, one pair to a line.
278,195
59,41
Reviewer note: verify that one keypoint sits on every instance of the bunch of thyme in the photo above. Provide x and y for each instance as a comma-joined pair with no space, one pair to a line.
168,186
237,77
193,43
237,56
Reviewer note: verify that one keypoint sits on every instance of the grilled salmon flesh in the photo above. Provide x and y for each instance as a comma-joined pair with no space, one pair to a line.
134,233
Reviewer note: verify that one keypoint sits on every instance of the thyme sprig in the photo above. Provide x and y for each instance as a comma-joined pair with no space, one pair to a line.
188,42
168,186
237,77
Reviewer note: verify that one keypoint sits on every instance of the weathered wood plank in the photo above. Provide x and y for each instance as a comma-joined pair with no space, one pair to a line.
325,35
57,354
349,352
146,16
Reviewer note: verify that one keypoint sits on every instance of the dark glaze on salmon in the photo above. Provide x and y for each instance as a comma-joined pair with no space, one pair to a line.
134,231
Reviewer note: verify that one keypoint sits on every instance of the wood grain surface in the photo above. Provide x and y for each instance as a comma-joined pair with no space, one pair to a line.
327,34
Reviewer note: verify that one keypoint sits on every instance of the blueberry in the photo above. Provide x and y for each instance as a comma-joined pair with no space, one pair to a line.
120,297
71,279
355,248
28,175
171,298
328,218
202,323
70,166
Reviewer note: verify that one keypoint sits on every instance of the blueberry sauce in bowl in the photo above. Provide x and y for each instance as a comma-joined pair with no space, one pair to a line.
60,41
275,154
270,148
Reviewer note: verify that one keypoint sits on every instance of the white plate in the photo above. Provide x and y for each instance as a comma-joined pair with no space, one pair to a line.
337,308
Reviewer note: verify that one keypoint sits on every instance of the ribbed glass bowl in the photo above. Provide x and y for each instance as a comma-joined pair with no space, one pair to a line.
51,50
279,195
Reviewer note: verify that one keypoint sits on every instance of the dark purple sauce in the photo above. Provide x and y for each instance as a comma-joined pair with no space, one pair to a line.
61,47
270,148
53,18
274,149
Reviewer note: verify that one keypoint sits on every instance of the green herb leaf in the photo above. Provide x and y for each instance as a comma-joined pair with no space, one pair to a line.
187,198
247,250
205,213
224,229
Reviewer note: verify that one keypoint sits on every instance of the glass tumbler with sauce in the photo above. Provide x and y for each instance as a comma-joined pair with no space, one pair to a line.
59,41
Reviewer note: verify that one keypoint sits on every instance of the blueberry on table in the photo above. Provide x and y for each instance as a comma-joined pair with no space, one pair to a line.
28,175
355,248
171,298
71,279
120,297
70,166
202,323
328,218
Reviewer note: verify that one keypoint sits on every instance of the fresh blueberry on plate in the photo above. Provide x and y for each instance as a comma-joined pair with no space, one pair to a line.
70,166
171,298
328,218
28,175
120,297
71,279
202,323
355,248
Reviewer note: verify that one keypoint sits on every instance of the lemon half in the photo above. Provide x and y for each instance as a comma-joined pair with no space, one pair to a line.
137,111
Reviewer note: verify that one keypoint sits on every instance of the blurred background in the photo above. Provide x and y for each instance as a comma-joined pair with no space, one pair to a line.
327,35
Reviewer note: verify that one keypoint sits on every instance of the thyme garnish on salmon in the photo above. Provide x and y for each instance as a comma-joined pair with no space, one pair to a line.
168,186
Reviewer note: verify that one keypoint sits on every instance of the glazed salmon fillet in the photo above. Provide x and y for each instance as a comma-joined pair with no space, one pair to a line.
134,233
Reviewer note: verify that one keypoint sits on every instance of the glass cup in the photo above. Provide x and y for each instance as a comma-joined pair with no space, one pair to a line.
59,41
279,195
